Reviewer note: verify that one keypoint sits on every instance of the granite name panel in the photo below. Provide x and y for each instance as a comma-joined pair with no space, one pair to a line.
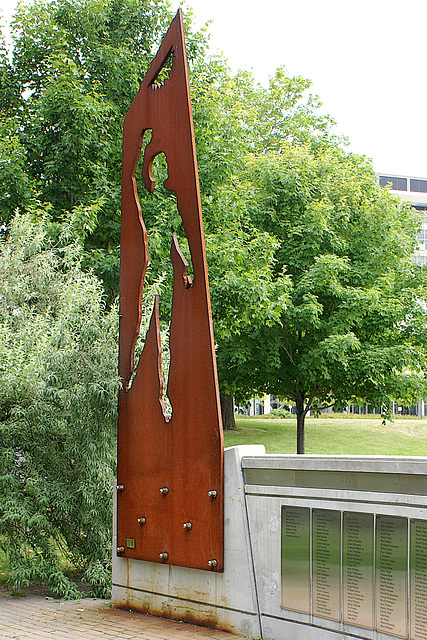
362,570
391,575
358,569
296,559
418,579
326,570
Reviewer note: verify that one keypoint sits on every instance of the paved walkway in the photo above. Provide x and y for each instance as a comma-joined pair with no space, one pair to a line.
36,617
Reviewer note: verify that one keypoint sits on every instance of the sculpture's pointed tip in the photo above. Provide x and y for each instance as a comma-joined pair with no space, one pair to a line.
177,253
180,264
179,17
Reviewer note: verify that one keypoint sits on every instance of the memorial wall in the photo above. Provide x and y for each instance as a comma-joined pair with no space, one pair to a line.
344,546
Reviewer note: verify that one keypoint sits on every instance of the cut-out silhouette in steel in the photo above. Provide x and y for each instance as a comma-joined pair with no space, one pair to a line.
170,468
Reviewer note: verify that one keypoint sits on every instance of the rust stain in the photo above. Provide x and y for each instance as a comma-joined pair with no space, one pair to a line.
167,465
206,618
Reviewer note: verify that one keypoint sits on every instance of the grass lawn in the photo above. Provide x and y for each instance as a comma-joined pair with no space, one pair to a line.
334,434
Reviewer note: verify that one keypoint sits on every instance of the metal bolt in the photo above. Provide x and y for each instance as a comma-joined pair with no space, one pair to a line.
163,556
212,563
120,487
212,493
165,491
142,520
187,525
120,550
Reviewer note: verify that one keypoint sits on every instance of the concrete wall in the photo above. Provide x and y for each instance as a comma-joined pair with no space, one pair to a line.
248,597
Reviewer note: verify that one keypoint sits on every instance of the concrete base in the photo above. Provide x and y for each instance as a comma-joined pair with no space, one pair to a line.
226,600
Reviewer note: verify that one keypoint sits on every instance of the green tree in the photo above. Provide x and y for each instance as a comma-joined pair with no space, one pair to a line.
15,185
351,321
75,69
58,390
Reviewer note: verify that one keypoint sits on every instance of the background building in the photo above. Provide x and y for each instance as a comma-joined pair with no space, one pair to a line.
414,191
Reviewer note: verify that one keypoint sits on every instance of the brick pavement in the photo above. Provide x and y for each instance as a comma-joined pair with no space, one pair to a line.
36,617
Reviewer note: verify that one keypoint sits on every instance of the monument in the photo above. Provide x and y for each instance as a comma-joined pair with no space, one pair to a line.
170,467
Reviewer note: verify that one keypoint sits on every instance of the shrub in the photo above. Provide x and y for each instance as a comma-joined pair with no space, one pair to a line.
281,413
58,397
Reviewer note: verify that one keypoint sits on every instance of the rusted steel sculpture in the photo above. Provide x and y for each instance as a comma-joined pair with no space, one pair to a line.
170,468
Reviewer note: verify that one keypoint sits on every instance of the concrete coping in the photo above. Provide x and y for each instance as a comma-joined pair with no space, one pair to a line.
359,464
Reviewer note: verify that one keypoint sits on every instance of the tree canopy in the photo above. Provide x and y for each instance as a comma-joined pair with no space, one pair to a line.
352,316
284,204
75,69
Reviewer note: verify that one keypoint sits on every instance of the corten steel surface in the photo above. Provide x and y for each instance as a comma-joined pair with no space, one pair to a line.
170,470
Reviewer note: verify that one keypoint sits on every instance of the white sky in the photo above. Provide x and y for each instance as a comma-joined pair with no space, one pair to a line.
366,58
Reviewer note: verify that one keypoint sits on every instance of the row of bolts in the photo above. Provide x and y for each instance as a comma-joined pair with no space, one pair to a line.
187,525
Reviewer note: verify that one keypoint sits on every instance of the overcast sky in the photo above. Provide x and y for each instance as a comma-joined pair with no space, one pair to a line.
367,61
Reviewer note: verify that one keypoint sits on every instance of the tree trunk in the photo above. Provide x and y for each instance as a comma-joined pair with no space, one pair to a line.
299,405
227,412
